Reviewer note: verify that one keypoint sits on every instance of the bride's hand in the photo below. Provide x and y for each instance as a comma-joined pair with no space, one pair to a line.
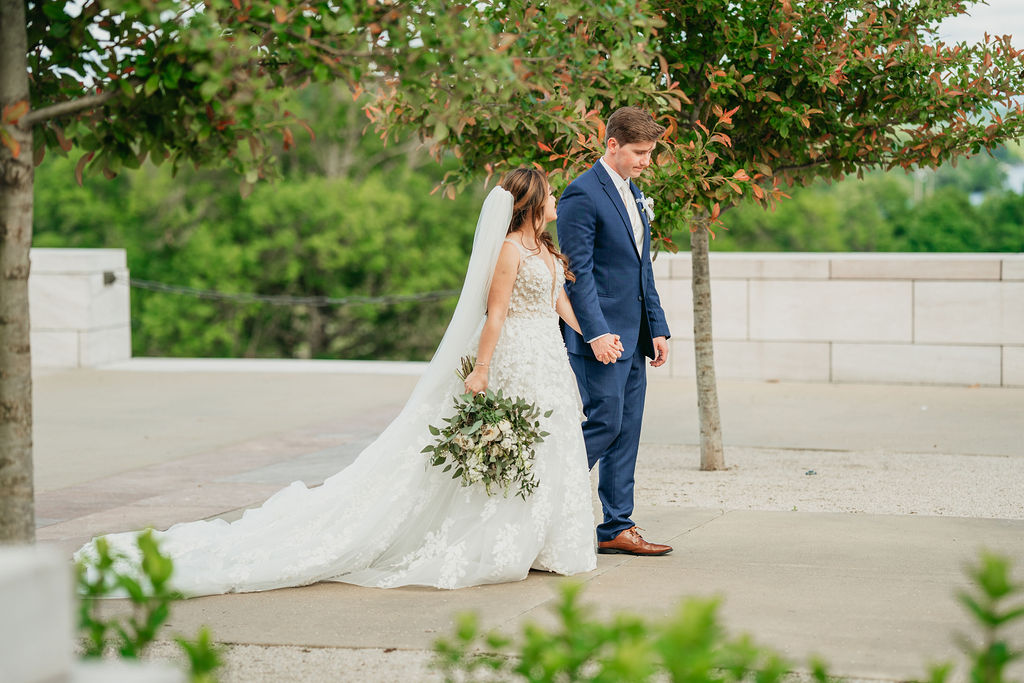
476,381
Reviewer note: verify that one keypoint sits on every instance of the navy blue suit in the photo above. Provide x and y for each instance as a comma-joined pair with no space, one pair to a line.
613,292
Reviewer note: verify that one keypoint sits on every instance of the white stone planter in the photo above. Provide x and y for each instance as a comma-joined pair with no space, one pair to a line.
79,307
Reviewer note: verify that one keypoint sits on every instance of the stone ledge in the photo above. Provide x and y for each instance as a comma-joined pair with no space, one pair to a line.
916,267
77,261
917,364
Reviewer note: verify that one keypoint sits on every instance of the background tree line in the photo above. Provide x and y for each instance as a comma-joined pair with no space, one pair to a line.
962,208
351,216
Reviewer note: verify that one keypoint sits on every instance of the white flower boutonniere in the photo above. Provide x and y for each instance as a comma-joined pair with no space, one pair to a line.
647,204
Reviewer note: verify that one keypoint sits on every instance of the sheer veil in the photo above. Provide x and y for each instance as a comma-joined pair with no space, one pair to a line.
466,323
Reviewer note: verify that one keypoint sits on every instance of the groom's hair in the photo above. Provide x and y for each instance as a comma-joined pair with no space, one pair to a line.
629,125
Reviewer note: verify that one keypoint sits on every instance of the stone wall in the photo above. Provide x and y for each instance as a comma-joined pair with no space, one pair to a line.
902,318
79,307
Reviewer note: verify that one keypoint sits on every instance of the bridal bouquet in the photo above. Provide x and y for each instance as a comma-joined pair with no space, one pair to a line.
489,439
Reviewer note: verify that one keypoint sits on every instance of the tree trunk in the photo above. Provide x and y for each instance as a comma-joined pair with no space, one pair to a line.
711,454
17,516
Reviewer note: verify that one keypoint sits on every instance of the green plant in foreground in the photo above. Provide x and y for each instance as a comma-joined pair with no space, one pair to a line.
147,585
690,646
693,647
995,602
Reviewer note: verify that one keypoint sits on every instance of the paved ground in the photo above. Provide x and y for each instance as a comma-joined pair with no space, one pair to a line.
157,442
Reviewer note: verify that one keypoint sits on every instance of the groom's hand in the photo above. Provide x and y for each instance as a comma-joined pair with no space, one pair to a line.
660,352
607,348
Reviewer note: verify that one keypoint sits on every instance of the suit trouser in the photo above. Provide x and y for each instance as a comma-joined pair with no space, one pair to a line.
613,401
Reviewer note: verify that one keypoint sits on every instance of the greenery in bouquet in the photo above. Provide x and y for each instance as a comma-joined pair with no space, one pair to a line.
490,439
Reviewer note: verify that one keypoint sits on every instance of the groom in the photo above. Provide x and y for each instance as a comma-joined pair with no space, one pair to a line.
603,227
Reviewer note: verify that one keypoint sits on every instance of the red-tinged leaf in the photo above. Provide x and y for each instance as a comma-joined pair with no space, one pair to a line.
8,141
716,211
449,192
544,147
772,96
758,192
736,188
64,143
80,166
741,175
722,138
236,4
702,127
14,112
37,157
312,135
280,14
289,139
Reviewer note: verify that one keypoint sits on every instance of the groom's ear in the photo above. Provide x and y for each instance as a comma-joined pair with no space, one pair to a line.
612,145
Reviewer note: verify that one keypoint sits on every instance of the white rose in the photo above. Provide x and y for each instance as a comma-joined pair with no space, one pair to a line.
507,443
505,426
489,433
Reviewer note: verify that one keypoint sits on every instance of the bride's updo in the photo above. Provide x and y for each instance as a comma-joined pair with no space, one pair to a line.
529,188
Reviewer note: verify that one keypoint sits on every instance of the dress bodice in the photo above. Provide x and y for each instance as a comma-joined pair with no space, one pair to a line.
535,291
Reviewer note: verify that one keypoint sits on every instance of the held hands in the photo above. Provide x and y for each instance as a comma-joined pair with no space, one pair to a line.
607,348
660,352
476,381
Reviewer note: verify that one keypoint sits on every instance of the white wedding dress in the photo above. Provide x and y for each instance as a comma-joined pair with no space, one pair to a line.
390,519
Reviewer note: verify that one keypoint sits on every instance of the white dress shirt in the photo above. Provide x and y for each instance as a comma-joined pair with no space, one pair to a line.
626,194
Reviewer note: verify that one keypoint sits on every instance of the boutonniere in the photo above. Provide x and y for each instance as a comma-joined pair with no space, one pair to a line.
647,204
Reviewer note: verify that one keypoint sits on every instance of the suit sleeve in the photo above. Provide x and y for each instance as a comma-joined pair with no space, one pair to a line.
655,313
576,227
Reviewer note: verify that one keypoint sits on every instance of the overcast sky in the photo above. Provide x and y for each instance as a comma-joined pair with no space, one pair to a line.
998,17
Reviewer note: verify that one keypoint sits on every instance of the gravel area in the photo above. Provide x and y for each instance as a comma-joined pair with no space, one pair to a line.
879,482
755,479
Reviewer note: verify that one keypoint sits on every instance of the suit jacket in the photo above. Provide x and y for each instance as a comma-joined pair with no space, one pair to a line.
614,289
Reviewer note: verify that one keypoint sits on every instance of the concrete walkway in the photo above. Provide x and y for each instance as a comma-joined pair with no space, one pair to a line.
158,442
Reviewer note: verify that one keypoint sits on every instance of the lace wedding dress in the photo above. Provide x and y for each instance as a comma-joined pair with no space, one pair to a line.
390,519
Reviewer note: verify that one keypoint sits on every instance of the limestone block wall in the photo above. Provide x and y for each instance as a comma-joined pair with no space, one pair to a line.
79,307
899,318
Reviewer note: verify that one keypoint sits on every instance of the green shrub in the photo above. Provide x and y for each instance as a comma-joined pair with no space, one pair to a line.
995,601
147,586
693,647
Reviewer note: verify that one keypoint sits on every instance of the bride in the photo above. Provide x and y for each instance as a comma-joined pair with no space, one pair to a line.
390,519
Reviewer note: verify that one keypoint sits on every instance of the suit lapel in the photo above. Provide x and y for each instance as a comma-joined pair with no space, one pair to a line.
642,210
616,199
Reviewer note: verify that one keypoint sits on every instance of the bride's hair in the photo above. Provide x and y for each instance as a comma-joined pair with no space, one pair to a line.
529,189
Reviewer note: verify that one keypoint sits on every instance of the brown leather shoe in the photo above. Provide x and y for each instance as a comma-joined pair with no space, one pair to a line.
630,542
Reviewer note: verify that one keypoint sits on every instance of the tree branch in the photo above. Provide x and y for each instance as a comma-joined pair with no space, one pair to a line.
68,107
